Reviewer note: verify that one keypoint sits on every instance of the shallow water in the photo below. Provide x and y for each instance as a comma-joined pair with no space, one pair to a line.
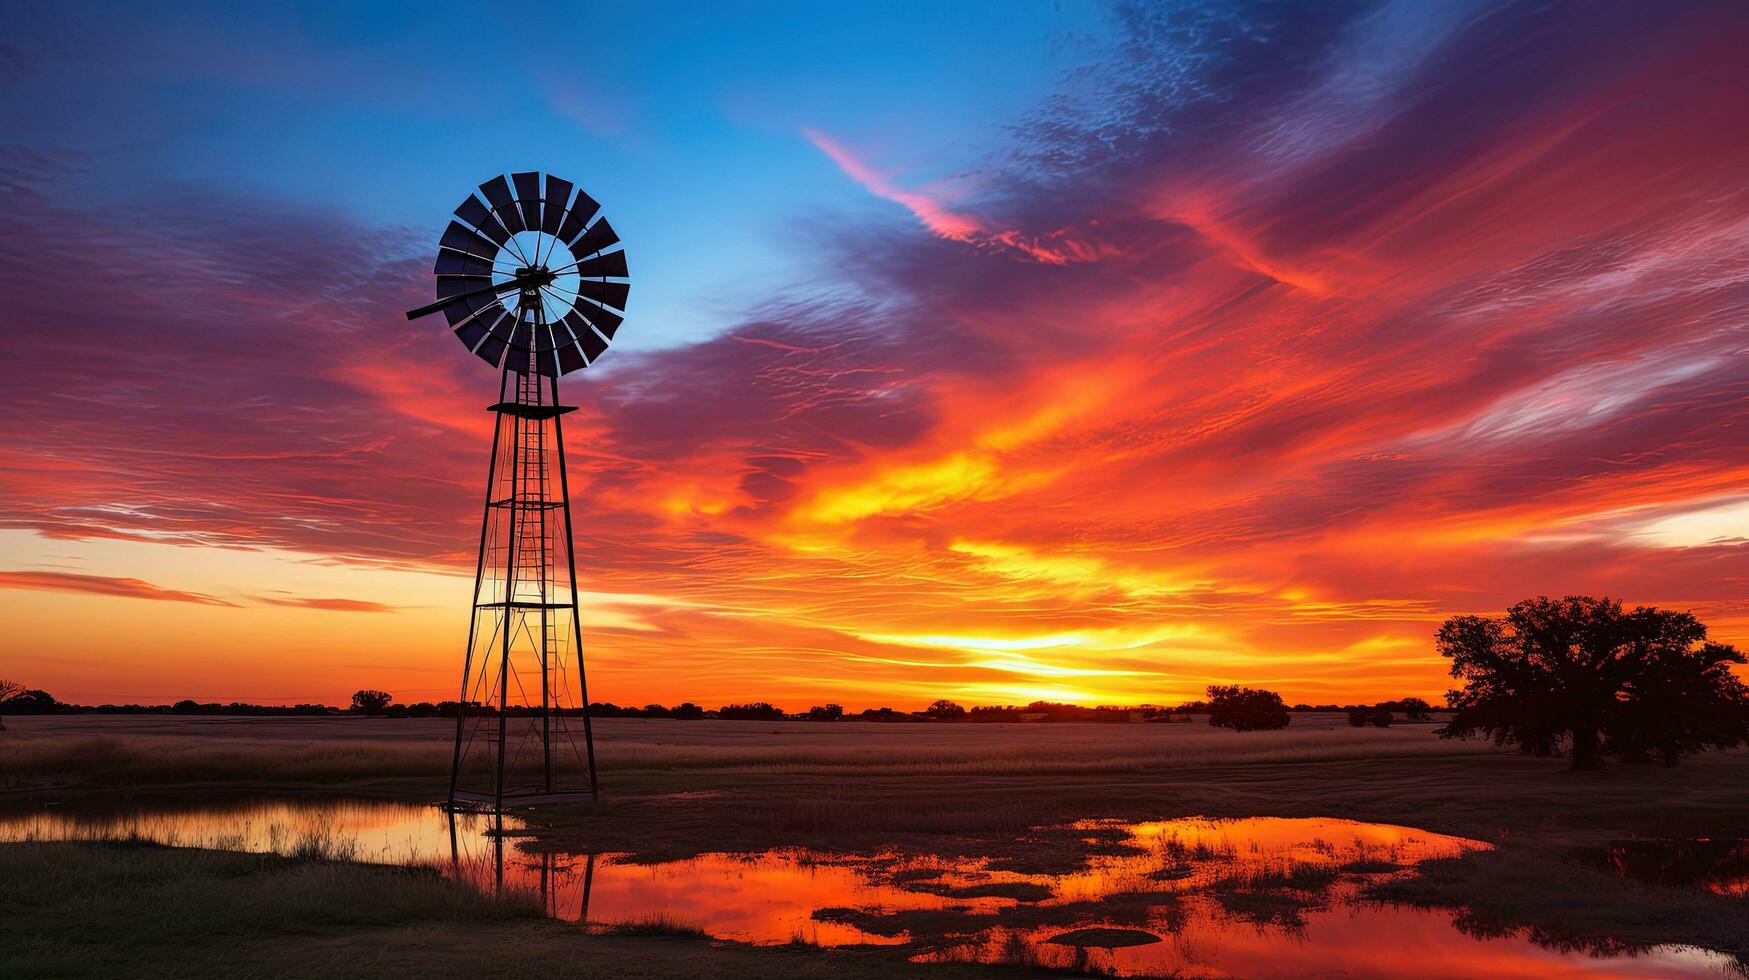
1718,864
1258,897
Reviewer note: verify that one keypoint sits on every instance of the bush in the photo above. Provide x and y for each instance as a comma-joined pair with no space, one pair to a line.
757,711
1245,710
1358,716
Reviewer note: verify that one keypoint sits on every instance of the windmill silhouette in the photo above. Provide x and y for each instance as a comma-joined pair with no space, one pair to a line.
522,729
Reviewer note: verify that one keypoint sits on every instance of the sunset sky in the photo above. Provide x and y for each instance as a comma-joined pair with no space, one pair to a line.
990,351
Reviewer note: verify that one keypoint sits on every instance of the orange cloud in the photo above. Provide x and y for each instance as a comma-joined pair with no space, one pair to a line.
329,605
102,585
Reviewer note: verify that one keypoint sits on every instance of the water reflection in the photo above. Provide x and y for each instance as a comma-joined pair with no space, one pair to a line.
1260,897
1718,864
478,856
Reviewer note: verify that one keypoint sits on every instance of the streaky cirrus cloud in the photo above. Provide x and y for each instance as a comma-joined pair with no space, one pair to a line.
1058,247
327,605
103,585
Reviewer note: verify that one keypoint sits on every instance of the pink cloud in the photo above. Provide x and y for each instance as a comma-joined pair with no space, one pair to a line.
1057,248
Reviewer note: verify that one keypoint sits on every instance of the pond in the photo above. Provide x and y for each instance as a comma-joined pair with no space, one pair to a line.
1257,897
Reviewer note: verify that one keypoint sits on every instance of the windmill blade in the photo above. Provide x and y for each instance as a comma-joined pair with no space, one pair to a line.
606,293
450,286
570,358
593,345
497,191
463,239
461,264
491,350
528,196
585,313
472,332
480,216
558,195
599,236
582,210
502,323
459,310
611,264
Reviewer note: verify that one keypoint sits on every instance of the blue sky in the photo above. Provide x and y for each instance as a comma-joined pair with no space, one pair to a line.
685,120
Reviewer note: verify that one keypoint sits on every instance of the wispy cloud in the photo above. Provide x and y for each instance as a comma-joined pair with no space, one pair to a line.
328,605
1056,248
126,588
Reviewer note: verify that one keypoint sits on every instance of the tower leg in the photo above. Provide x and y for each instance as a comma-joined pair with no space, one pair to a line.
461,707
576,615
520,612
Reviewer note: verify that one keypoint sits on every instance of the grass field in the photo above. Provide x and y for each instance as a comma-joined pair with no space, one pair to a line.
102,750
1006,793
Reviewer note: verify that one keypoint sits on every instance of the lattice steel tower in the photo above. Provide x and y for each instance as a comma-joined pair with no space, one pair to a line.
522,728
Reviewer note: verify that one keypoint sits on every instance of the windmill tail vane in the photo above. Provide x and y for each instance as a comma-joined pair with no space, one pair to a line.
532,280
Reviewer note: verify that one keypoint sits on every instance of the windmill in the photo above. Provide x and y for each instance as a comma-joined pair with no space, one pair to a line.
522,727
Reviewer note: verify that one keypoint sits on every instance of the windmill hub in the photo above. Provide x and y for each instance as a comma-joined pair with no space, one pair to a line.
536,277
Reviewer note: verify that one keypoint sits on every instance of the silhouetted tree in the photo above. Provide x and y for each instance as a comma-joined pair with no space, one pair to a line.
1416,709
1245,710
33,702
1601,680
829,712
688,711
371,702
1357,716
945,710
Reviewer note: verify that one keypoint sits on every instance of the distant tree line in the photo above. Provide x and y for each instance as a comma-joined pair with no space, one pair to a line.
374,703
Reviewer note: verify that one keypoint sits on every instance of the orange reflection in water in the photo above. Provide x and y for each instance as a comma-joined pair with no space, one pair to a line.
1343,938
377,831
1167,877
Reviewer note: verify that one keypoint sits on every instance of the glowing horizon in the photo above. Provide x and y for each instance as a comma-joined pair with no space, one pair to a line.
1231,345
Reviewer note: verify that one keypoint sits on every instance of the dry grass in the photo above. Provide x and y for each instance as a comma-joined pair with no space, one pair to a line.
142,760
119,751
650,925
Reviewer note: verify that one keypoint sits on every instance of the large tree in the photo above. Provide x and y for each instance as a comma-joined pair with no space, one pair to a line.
1601,680
1245,710
371,702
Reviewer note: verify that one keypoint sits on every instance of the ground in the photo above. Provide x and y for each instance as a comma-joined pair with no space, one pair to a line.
678,788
